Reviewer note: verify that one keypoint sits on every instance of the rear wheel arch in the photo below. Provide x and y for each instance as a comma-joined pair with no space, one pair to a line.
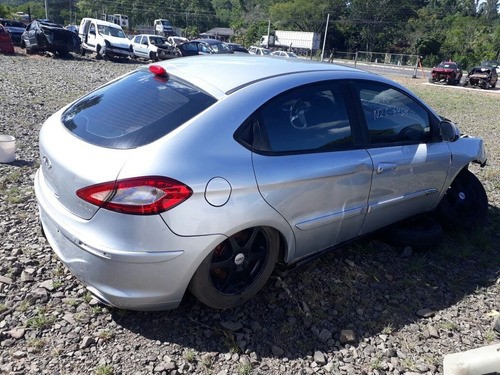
238,267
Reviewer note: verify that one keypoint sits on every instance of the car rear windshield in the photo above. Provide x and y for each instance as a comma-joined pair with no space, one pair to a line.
134,110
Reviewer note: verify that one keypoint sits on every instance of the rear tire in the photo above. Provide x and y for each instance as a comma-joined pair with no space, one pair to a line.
236,269
465,204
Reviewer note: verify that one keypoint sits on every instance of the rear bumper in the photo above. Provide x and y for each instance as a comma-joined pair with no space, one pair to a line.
142,274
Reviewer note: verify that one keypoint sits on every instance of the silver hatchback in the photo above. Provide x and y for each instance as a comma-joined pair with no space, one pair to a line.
203,173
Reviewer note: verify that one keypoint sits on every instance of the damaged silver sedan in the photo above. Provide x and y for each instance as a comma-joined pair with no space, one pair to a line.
203,174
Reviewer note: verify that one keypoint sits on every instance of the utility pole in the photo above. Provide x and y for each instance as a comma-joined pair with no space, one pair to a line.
324,39
268,32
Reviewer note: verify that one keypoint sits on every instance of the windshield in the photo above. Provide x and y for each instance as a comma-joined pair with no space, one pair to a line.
220,48
447,65
112,31
157,40
50,24
12,24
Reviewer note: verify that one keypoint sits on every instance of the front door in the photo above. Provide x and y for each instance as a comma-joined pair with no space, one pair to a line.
410,164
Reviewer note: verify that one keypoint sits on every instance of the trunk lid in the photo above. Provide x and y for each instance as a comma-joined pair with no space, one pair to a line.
75,164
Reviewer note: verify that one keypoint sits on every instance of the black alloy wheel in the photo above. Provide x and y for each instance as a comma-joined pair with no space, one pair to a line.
237,268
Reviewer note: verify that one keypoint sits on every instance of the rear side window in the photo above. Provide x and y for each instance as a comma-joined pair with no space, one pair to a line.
311,118
135,110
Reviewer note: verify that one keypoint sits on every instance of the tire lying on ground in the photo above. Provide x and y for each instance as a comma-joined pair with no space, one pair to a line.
420,233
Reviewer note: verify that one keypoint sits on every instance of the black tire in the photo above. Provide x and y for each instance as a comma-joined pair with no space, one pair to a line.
98,55
152,56
421,233
236,269
465,204
63,52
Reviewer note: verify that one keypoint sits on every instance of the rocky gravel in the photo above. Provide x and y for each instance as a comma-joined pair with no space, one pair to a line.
367,308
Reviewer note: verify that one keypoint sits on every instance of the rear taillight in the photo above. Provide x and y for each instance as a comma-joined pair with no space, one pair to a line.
139,196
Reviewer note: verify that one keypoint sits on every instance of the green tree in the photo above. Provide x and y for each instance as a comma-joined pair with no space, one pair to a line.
299,15
5,11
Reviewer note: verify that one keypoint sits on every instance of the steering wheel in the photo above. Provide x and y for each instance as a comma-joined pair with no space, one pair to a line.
298,112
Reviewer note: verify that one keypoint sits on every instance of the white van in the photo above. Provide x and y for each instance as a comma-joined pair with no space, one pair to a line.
104,38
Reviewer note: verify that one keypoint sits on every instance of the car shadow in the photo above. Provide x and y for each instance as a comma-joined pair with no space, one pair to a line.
367,287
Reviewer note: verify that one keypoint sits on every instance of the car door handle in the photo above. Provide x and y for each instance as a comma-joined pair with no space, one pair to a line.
383,167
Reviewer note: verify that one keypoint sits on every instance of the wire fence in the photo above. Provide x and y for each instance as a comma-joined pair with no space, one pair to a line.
371,61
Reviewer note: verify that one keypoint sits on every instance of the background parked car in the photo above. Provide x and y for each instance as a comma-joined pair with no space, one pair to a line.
73,28
482,76
203,173
45,35
152,47
259,51
284,54
15,29
203,47
176,40
235,47
448,72
212,46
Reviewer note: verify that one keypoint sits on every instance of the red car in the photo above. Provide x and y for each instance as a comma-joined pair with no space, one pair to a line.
446,72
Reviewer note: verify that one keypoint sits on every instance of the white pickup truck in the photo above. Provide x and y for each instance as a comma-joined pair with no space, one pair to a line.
105,39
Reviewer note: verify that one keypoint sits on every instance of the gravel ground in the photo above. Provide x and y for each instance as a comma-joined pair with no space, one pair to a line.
367,308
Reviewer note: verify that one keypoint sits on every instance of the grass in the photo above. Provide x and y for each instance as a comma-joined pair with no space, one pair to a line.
104,370
41,320
37,344
189,355
245,369
106,334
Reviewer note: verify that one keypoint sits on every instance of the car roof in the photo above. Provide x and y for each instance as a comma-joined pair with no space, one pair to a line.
208,41
102,22
150,35
230,72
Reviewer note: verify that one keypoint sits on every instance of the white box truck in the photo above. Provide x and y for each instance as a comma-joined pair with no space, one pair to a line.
163,27
292,39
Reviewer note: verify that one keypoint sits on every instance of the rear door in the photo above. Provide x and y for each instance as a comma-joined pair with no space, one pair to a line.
410,162
308,165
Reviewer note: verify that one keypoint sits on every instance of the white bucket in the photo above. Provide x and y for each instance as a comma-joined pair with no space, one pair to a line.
7,148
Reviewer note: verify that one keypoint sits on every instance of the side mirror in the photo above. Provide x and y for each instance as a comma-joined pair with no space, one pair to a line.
449,131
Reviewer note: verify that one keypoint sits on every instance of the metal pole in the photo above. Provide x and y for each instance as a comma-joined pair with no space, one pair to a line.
46,11
268,32
324,39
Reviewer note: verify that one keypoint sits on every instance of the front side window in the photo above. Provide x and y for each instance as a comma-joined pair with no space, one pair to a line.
135,110
310,118
392,116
